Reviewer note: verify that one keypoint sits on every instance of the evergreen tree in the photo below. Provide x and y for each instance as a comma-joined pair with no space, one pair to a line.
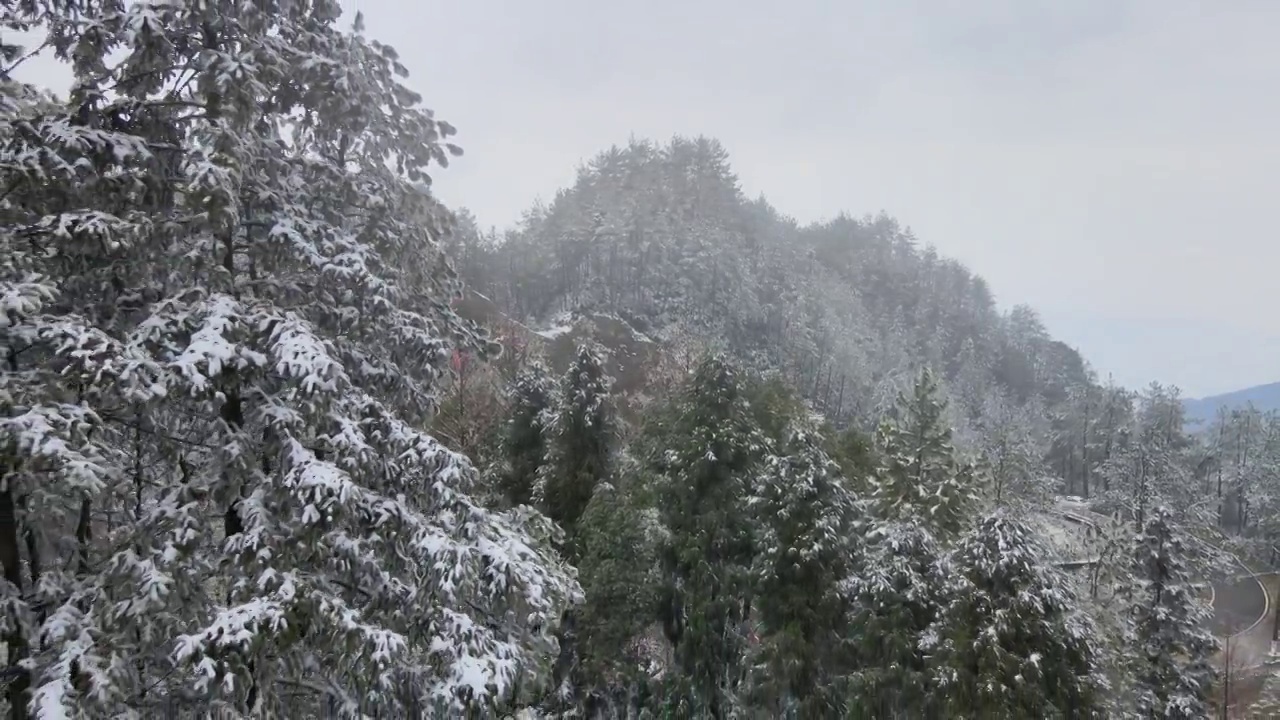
922,480
226,308
854,451
896,593
1171,650
706,458
1007,643
225,313
524,441
806,517
620,578
580,439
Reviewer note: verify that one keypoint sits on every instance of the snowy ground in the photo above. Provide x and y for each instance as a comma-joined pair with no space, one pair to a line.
1071,503
1065,530
1064,539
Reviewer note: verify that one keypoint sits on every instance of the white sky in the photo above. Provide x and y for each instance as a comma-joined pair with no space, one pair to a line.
1112,163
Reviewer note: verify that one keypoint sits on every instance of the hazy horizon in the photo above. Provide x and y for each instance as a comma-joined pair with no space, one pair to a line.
1107,163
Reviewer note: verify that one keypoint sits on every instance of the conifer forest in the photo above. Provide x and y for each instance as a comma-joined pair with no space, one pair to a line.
281,436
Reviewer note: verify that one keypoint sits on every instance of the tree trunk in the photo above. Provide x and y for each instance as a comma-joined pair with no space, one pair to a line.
19,690
1084,450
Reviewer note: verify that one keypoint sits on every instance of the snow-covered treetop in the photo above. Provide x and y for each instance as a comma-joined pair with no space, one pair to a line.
227,308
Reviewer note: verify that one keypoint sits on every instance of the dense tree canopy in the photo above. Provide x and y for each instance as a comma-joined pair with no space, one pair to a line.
226,313
279,434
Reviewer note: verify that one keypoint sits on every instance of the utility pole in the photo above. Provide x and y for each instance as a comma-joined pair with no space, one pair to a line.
1226,680
1226,677
1275,626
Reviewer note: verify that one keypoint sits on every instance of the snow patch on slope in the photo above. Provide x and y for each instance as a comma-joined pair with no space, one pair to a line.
561,324
555,332
1066,540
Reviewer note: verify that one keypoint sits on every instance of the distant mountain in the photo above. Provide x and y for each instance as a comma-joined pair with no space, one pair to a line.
1263,397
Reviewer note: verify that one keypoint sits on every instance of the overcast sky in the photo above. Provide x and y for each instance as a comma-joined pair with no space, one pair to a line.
1112,163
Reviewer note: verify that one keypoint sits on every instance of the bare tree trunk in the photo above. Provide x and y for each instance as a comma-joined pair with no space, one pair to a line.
1084,448
840,398
19,691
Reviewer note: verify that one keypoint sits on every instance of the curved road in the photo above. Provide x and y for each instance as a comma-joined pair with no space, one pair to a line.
1237,606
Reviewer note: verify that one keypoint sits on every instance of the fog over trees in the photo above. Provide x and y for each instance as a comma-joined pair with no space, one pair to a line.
281,435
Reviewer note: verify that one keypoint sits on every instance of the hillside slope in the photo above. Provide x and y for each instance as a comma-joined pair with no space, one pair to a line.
845,311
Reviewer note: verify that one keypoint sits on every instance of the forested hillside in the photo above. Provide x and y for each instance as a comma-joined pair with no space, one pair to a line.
932,406
281,436
847,311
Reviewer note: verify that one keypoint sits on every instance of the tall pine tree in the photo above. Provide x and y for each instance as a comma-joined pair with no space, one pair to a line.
806,518
922,481
524,440
620,576
896,593
225,314
580,438
706,458
1171,649
1008,642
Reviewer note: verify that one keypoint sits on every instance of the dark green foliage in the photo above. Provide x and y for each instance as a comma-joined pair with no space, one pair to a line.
619,574
896,597
705,459
579,443
774,406
806,546
922,481
1008,644
855,452
524,443
1171,649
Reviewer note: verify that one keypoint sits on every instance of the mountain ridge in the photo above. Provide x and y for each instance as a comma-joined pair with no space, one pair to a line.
660,236
1265,397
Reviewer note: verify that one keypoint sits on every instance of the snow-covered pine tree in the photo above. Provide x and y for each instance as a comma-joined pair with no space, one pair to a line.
922,479
896,593
1170,647
580,441
57,460
807,517
706,458
1008,642
524,440
236,190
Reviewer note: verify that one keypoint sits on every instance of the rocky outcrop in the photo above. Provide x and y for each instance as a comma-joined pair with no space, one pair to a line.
631,358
